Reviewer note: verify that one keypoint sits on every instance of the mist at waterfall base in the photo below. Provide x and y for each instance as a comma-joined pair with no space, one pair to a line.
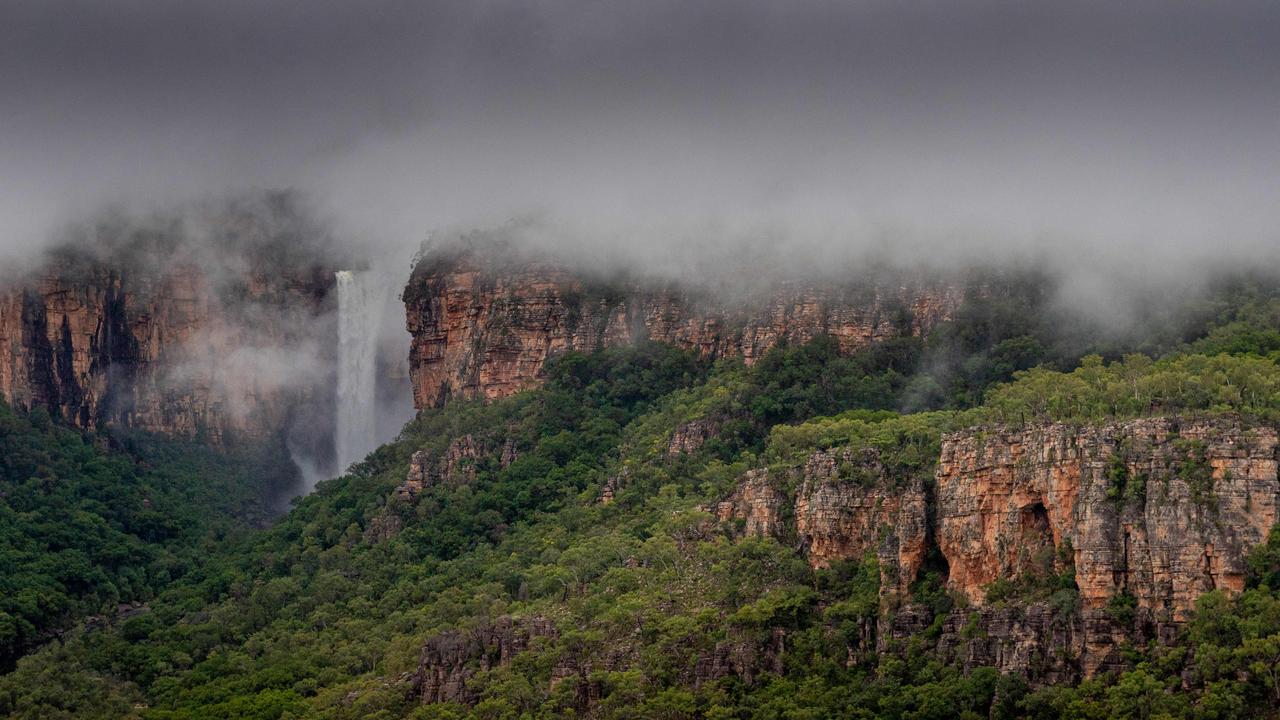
371,397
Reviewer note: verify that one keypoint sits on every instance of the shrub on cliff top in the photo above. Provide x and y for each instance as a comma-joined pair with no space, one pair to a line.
1138,386
907,445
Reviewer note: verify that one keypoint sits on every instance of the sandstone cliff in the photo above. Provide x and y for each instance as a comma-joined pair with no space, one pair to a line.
212,327
1161,509
483,323
1147,513
836,517
163,353
1155,511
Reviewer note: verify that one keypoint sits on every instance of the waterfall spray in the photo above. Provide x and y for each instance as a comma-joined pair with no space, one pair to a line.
359,311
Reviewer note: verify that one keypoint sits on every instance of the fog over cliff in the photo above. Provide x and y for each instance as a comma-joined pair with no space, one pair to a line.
1126,142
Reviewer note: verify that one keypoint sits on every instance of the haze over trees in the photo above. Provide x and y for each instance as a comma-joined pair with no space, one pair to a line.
726,359
324,613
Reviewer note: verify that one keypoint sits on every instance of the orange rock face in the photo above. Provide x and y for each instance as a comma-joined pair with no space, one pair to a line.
1161,509
756,503
836,517
841,519
484,326
170,351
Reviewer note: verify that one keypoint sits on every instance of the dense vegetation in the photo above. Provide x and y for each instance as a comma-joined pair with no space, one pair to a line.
89,522
325,613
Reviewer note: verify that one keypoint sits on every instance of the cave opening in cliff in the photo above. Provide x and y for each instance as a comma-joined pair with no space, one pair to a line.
1036,551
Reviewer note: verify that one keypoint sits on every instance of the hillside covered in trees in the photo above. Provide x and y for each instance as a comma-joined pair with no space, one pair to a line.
637,538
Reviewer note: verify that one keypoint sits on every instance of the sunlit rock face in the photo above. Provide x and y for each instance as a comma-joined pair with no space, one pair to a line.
483,324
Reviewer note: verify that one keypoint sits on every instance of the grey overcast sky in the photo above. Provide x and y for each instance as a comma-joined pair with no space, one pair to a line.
951,127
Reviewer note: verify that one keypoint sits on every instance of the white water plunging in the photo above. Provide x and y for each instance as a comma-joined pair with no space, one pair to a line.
359,317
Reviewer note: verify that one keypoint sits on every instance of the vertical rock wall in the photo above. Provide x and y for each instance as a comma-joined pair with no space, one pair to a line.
1163,509
1153,512
484,325
175,351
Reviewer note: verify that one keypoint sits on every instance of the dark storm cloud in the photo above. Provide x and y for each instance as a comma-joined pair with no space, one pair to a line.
1097,132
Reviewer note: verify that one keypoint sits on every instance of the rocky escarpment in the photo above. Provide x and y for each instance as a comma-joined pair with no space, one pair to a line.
455,466
1147,513
845,507
458,464
849,505
756,507
1143,515
212,323
689,437
484,320
1061,545
840,505
1160,509
449,660
174,351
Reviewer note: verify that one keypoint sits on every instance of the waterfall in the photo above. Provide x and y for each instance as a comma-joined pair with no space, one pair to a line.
359,317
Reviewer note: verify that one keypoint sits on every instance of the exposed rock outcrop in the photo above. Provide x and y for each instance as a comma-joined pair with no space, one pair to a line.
845,507
175,351
690,436
449,660
742,656
417,477
214,322
1162,509
484,323
1034,640
756,506
1159,510
457,465
848,506
613,485
1044,643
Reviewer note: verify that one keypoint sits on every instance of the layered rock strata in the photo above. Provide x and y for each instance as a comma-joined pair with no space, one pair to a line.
483,325
450,659
848,506
837,517
1160,509
1151,512
173,351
